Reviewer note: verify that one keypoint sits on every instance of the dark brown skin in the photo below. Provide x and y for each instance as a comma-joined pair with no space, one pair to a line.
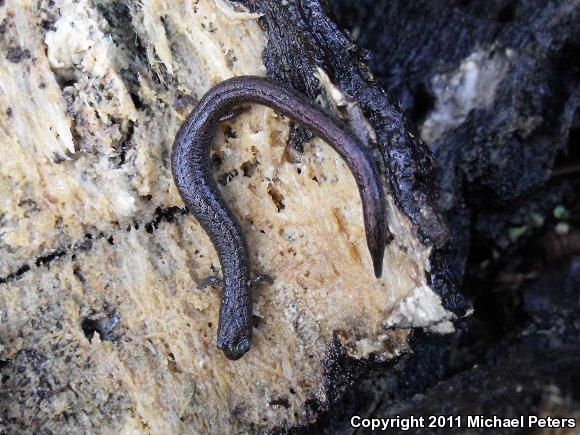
192,174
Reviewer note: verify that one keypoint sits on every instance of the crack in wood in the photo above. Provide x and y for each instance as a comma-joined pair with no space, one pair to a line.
167,214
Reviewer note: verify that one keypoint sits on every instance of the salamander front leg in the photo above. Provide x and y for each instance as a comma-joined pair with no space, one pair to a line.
260,279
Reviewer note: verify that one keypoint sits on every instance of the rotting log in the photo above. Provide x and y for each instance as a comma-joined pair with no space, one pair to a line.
102,325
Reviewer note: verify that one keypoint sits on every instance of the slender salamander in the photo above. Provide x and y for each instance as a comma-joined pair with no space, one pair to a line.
192,174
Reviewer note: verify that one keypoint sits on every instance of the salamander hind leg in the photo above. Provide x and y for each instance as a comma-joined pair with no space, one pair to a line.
213,281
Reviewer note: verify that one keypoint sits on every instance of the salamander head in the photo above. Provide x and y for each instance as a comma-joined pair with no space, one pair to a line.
234,347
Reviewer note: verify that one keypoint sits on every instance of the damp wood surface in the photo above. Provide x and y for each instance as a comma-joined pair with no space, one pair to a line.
102,327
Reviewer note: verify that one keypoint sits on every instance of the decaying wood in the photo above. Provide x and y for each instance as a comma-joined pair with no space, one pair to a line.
102,325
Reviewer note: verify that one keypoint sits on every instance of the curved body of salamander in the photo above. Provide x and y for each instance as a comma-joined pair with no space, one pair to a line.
193,177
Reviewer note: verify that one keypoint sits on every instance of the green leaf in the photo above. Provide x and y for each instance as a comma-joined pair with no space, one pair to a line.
536,219
560,212
516,232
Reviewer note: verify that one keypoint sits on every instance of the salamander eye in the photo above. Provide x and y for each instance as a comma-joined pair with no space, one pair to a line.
243,346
